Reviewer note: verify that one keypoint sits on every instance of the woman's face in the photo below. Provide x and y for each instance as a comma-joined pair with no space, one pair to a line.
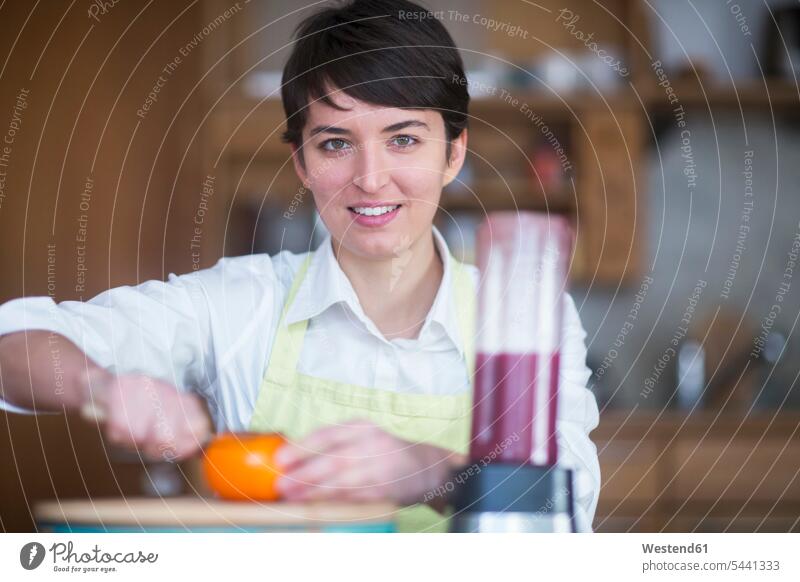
376,172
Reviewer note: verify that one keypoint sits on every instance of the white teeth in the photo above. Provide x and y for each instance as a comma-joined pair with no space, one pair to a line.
374,210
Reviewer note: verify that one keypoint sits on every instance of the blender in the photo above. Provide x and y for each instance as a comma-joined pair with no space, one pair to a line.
512,482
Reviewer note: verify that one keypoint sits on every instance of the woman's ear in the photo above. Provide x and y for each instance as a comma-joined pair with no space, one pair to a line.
300,166
458,152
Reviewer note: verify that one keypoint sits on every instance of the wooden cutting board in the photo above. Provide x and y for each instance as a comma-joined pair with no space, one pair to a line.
209,515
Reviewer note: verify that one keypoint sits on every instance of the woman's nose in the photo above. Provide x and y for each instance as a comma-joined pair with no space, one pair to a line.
372,171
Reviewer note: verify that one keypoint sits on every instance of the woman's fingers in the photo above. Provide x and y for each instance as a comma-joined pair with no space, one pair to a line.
321,468
355,470
364,482
149,415
360,461
124,424
353,483
324,440
312,474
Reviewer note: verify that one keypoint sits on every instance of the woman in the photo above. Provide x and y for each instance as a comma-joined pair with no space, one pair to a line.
360,351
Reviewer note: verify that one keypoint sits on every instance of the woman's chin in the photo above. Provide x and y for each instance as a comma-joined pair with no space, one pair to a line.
378,245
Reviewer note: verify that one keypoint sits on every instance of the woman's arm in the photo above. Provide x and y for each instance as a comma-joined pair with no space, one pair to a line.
156,328
43,371
134,353
135,410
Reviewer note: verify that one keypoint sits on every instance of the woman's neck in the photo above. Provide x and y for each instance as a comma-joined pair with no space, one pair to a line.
396,293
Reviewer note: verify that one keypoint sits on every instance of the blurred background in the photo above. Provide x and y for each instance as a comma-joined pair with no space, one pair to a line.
142,138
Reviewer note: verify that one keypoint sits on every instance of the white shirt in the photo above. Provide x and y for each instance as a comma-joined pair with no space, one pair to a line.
211,332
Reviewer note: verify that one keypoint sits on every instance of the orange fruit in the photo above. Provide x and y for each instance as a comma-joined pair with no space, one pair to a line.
242,466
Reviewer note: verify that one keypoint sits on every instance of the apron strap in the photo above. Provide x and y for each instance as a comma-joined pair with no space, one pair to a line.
288,342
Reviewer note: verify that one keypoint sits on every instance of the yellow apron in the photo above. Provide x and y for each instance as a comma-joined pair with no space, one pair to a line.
295,404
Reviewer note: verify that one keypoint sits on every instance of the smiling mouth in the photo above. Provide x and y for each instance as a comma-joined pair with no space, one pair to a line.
373,210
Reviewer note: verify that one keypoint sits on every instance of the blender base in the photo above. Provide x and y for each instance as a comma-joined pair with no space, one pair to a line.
503,497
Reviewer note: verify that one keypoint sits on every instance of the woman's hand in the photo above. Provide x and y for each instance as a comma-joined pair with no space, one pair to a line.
359,461
144,413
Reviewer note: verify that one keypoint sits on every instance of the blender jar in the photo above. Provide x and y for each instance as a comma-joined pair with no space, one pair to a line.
523,258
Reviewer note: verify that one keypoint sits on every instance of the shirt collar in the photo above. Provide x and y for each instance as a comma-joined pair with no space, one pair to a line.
325,285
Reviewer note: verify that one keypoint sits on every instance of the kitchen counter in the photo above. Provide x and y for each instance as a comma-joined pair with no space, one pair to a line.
201,514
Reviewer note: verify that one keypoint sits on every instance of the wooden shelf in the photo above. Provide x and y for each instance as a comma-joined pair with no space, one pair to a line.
627,425
752,93
774,93
778,93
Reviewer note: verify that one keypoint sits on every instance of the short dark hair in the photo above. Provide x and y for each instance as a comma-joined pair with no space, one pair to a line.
392,53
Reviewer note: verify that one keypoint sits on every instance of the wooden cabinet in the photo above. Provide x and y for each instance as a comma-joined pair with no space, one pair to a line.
704,472
610,201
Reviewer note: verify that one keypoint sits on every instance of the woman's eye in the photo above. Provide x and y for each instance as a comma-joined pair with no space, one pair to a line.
404,141
334,145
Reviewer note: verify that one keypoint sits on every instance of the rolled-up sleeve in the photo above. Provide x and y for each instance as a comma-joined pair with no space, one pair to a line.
156,328
577,417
